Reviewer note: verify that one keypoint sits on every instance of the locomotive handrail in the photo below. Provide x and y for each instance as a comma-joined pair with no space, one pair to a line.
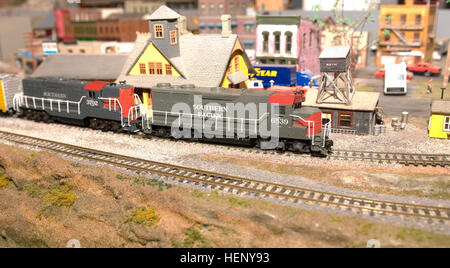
20,98
309,127
137,99
133,114
192,116
116,102
326,132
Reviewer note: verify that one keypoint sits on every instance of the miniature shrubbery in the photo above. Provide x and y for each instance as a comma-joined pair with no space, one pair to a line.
4,181
60,195
193,238
144,216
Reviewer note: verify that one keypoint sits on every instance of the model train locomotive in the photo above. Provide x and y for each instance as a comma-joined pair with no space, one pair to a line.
235,116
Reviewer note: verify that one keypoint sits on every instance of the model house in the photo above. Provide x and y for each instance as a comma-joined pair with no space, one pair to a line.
440,119
170,54
406,33
288,40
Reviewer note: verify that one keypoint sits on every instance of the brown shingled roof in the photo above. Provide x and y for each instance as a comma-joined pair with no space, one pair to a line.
440,107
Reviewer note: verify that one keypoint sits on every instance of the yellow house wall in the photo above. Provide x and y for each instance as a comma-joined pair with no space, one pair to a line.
2,99
152,54
437,126
237,53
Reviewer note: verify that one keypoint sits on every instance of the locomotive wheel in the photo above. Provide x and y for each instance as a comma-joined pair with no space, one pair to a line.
94,124
116,127
104,126
162,132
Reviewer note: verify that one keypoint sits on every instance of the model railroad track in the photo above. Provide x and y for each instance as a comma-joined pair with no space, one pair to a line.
237,185
407,159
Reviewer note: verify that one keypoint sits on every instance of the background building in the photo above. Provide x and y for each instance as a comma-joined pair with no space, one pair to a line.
328,5
288,40
274,5
406,33
335,35
12,34
243,18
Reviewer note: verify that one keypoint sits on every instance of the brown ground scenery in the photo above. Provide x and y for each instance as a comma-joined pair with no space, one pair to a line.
45,201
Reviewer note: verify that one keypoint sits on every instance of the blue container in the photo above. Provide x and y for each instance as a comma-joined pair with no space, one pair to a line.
303,79
281,75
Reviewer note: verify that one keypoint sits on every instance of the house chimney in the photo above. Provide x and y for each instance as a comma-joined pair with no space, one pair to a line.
226,26
182,25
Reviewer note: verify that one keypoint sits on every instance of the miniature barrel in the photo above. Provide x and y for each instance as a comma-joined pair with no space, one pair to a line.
394,122
404,119
377,130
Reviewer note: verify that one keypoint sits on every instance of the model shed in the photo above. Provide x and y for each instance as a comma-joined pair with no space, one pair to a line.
439,125
358,117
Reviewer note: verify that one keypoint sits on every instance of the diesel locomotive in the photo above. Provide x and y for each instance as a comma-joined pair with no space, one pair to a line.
99,105
226,115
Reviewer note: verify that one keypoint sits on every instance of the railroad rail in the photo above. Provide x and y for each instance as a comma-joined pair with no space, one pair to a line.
237,185
406,159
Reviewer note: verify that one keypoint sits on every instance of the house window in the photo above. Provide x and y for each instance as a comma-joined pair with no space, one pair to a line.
318,39
236,64
230,8
288,42
173,37
388,19
403,19
311,33
265,41
387,37
418,19
345,120
151,68
211,9
447,123
168,69
304,40
159,68
220,8
142,68
202,8
416,37
159,32
277,42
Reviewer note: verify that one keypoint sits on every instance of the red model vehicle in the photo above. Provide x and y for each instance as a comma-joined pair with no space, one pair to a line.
424,68
381,73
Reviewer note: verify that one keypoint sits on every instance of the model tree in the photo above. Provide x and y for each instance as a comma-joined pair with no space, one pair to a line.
347,31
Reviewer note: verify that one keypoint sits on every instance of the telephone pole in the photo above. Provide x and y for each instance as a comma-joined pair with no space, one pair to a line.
446,73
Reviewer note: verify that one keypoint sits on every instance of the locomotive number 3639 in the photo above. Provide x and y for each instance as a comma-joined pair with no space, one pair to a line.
280,121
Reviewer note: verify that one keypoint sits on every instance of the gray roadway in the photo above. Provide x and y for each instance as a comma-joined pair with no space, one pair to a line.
396,104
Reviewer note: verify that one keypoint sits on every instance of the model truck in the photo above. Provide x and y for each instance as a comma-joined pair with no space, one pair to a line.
280,75
395,79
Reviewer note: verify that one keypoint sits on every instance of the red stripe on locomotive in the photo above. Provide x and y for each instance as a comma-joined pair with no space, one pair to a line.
288,96
95,85
316,118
